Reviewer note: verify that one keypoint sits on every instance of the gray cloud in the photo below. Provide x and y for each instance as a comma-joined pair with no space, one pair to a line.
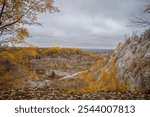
86,23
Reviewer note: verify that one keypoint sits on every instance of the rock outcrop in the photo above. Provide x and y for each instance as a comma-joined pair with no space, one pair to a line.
132,59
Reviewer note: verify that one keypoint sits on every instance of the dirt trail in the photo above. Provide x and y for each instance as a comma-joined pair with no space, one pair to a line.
74,75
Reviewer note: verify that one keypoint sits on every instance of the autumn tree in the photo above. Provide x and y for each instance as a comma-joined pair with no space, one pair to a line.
16,14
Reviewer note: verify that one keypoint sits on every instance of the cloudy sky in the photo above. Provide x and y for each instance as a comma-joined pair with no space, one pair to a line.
86,23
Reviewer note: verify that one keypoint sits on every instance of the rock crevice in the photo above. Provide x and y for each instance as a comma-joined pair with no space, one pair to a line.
132,58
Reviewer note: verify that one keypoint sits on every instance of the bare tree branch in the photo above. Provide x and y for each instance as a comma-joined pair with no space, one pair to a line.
2,9
15,14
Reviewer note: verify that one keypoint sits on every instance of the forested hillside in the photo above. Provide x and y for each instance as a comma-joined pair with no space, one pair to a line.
18,65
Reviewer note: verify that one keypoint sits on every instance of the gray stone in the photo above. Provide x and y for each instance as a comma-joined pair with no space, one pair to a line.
133,62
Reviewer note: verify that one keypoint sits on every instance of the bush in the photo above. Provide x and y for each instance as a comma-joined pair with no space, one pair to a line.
108,80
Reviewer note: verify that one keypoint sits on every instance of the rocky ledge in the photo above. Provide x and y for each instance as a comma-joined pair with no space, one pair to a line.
132,58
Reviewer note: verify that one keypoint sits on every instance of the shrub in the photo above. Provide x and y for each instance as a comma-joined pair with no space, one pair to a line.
108,80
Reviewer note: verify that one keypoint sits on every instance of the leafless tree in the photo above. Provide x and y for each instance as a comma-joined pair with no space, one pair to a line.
144,20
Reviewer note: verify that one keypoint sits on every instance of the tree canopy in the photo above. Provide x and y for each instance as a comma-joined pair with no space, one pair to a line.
15,14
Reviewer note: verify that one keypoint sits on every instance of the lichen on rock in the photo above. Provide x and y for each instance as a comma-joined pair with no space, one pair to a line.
132,58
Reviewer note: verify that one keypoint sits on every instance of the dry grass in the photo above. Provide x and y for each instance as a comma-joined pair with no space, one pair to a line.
108,80
16,62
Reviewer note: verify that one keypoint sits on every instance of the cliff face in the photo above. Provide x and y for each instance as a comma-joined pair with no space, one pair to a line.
127,68
132,59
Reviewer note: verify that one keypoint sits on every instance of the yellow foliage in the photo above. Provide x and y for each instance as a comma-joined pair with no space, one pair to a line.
22,34
7,56
15,14
14,61
108,80
2,69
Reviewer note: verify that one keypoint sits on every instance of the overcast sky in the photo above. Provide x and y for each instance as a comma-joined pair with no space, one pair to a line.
86,23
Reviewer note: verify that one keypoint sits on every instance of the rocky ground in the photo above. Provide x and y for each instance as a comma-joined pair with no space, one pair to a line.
48,93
